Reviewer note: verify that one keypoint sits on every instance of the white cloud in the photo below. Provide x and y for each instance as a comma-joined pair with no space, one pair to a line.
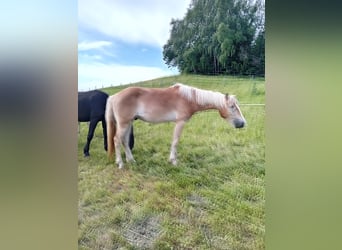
104,75
93,45
134,21
143,22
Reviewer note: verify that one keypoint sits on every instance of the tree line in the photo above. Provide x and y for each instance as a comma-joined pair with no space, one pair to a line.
219,37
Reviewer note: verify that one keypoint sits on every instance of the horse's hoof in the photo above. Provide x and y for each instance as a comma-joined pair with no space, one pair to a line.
86,155
131,160
173,162
120,165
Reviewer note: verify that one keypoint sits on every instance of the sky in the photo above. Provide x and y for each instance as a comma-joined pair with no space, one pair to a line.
121,41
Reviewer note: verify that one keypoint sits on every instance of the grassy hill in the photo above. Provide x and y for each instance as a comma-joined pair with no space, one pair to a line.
213,199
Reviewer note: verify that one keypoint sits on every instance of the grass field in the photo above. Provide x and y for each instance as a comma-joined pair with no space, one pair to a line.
213,199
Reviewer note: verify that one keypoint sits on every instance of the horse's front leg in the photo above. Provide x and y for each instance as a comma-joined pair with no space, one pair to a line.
176,134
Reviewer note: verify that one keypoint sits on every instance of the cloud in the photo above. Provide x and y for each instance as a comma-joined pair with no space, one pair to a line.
93,45
134,21
117,35
98,75
96,50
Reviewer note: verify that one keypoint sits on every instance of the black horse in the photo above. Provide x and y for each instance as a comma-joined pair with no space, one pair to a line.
91,108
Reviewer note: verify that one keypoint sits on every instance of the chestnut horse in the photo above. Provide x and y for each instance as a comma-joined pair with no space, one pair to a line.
155,105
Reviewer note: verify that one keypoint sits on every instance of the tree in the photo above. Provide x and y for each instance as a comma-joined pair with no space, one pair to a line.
218,36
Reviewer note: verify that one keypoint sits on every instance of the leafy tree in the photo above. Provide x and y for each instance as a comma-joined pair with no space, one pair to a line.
218,36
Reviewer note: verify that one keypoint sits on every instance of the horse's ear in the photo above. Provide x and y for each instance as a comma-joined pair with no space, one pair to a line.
227,96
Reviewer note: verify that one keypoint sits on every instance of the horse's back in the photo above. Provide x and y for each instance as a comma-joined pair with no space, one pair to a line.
92,95
153,105
91,105
137,93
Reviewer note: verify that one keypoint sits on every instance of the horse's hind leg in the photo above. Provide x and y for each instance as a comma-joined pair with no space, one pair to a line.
131,138
104,127
117,144
118,139
126,141
121,136
92,126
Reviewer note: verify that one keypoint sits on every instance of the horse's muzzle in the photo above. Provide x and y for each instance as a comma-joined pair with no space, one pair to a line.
239,123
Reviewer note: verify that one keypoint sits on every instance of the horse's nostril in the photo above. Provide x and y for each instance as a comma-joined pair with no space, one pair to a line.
239,124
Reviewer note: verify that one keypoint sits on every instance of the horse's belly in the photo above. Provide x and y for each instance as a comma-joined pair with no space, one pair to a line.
155,117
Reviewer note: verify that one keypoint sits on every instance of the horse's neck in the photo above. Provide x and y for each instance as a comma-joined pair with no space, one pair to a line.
200,108
221,110
201,100
206,107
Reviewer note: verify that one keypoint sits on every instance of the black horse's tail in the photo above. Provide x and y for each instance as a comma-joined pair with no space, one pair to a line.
111,127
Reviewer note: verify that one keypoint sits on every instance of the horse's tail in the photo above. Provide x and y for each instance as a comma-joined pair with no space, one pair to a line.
111,127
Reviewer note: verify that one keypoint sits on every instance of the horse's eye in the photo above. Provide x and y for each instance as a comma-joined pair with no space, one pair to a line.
232,107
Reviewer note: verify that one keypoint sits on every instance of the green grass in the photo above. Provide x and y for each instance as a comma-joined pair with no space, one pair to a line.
213,199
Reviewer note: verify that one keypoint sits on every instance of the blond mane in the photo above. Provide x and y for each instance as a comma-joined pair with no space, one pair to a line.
200,96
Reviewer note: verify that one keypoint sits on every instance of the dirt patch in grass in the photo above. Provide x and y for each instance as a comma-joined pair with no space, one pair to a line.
143,233
197,201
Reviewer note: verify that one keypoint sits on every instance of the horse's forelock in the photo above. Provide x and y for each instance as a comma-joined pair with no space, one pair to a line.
232,99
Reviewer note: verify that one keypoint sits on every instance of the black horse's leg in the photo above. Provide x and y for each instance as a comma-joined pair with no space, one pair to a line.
92,127
131,138
104,127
